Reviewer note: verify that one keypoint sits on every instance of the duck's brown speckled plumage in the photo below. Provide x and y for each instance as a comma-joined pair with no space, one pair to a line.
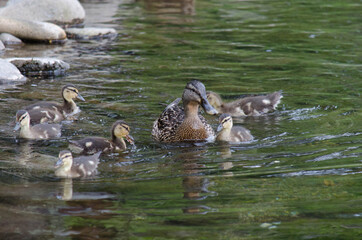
177,125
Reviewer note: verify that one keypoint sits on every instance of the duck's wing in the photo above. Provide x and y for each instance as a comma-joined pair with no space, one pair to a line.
166,125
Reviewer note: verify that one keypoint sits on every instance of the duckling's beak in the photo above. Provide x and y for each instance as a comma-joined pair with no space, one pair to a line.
219,128
130,139
207,107
17,126
58,163
80,97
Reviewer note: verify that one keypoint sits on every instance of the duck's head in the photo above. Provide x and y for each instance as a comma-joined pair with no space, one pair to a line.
22,119
214,99
225,122
65,160
195,92
120,129
70,92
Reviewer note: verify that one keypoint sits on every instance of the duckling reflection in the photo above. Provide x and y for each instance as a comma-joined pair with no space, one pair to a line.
186,7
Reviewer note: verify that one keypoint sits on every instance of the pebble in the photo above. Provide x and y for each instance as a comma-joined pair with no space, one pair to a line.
62,12
9,39
32,30
91,33
40,67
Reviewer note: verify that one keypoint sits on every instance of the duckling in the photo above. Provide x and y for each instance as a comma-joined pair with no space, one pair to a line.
119,130
248,106
39,131
177,124
83,166
41,112
228,133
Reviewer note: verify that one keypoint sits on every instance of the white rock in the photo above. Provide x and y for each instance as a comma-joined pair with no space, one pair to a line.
32,30
9,73
56,11
2,46
91,33
9,39
40,66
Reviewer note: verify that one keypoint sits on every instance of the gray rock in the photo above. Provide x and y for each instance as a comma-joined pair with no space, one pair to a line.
40,67
90,33
62,12
32,30
9,73
9,39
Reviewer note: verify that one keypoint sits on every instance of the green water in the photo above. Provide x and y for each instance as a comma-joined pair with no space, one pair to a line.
299,179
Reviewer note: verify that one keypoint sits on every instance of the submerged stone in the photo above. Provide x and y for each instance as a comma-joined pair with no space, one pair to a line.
32,30
9,39
91,33
62,12
9,73
40,67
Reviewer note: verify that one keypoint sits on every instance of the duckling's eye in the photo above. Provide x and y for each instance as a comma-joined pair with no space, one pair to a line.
125,127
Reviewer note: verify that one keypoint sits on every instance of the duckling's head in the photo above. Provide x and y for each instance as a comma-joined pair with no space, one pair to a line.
65,160
195,92
214,99
22,119
225,122
70,92
120,129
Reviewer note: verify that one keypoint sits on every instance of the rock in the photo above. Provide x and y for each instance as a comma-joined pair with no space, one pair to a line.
9,73
61,12
40,67
9,39
2,46
91,33
33,30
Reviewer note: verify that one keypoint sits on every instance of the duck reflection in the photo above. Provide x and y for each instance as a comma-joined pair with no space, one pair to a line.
194,184
186,7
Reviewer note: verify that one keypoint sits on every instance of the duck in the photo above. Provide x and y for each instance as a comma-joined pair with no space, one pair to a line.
176,124
83,166
38,131
248,106
120,130
45,111
227,133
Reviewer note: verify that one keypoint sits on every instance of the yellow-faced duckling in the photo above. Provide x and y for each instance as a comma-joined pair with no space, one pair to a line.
248,106
39,131
119,131
41,112
83,166
228,133
178,124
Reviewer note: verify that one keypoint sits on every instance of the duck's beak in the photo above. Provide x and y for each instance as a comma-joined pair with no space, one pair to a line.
17,126
219,128
207,107
130,139
58,163
80,97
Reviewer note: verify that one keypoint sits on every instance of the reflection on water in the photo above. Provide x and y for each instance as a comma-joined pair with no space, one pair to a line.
298,179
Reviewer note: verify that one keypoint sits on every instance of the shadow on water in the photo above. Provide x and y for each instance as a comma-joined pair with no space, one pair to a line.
299,178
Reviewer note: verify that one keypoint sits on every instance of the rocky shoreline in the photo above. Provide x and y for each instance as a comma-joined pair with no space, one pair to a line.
42,22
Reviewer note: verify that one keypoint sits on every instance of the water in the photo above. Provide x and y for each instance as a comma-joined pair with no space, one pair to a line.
299,179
